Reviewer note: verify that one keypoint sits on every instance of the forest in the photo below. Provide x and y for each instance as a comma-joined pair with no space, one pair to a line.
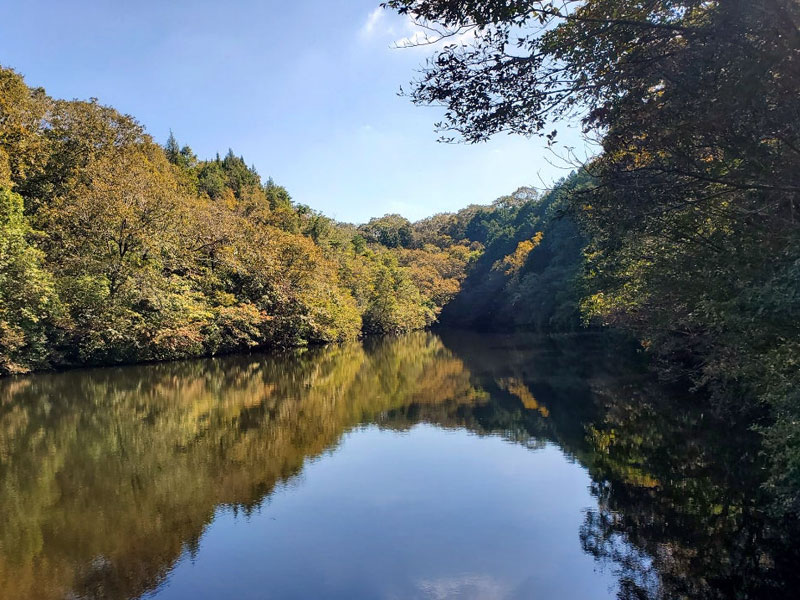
690,222
683,231
116,249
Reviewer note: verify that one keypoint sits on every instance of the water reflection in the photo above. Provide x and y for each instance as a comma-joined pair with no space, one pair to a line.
108,477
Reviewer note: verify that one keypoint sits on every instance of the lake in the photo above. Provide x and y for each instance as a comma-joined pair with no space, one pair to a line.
428,466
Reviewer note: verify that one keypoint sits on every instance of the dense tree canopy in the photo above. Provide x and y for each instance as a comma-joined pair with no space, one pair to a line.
115,249
691,221
684,229
28,303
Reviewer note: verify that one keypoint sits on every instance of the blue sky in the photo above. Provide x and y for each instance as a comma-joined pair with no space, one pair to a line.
306,90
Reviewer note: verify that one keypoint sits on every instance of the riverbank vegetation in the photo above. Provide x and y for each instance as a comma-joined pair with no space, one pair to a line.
684,230
115,249
691,221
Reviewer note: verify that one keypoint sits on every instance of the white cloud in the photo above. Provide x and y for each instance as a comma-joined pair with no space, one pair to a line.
406,32
417,34
414,38
403,30
412,33
371,25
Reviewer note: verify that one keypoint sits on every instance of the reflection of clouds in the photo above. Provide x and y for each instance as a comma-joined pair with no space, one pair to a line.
463,587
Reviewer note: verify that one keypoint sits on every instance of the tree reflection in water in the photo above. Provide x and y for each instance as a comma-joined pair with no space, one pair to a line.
108,476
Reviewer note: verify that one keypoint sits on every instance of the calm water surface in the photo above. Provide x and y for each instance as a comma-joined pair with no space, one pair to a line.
428,466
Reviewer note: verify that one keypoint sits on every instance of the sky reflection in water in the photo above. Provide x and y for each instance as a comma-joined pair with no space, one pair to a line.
428,466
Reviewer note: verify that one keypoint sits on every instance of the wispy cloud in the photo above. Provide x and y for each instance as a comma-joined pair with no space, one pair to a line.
415,37
405,32
371,25
411,34
420,34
